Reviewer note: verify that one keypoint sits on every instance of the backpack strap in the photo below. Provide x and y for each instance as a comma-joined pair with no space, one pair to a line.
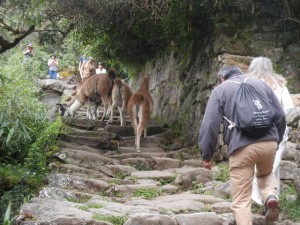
237,82
244,81
232,81
231,124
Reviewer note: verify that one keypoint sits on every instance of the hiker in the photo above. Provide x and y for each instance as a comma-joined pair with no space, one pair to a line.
101,69
82,60
29,53
244,152
53,66
262,68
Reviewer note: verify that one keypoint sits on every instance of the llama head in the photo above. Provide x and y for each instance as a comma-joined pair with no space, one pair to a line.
112,73
63,109
145,83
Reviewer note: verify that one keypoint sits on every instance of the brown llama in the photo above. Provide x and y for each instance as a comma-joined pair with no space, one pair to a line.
121,94
140,107
93,89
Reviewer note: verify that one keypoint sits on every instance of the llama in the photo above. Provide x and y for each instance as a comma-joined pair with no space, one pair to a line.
93,89
91,106
140,107
121,94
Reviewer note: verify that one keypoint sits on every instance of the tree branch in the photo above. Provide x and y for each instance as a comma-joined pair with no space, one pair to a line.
6,45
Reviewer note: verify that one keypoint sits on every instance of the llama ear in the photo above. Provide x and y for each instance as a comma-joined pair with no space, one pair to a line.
112,74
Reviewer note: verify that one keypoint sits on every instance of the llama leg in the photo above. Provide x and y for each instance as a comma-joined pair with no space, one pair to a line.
138,137
70,102
135,136
145,131
104,113
74,107
88,110
93,111
111,109
124,117
121,116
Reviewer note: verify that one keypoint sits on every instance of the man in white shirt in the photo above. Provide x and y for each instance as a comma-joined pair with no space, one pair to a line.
101,70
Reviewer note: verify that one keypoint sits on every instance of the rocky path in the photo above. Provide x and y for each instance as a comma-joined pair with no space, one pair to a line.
99,179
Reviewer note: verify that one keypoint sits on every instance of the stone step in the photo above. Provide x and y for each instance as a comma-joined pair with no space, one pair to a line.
108,141
86,160
84,123
75,146
71,182
144,151
128,131
147,142
77,171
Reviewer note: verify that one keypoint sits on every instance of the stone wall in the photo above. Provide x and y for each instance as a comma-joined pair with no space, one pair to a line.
180,94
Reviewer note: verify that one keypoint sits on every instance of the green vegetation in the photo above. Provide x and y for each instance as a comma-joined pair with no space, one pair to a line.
167,181
224,175
277,68
78,199
177,129
196,185
259,209
147,193
89,206
83,207
290,209
95,206
26,132
120,175
7,215
116,220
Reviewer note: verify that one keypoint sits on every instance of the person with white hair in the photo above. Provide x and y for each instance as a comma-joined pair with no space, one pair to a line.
262,68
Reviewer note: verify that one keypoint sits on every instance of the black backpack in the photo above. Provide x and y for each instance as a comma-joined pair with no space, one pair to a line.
254,112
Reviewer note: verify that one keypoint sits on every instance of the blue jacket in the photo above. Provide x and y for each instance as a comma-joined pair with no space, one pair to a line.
221,103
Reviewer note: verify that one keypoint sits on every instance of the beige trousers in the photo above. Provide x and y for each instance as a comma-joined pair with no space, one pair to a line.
241,167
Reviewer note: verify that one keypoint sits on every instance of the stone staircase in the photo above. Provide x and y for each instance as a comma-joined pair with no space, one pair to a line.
99,179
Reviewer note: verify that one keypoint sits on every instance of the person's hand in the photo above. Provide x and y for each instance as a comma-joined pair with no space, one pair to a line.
207,164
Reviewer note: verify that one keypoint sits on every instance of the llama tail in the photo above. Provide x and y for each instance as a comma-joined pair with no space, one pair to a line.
112,74
139,98
137,114
118,84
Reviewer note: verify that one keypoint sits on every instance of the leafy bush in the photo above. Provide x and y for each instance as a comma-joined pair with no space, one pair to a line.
25,179
26,132
224,175
24,116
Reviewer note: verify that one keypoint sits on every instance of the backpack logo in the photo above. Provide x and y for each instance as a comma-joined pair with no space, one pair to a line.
257,104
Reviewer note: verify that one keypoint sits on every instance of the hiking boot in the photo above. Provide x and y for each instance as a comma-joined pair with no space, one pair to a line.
271,209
